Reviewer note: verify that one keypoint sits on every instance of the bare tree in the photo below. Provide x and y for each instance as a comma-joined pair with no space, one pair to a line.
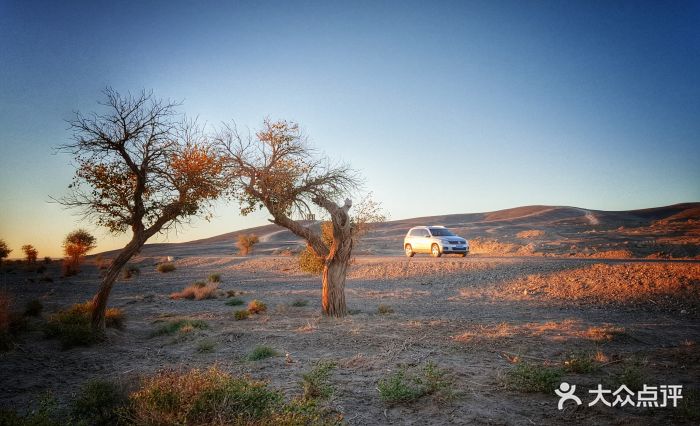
140,166
277,170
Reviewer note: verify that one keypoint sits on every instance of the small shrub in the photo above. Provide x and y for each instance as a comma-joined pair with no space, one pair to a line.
256,306
580,363
407,385
131,271
231,293
197,291
235,302
533,378
633,377
214,278
300,303
98,402
262,352
241,314
385,309
45,415
33,308
206,346
47,260
212,396
315,382
72,327
246,242
181,325
166,267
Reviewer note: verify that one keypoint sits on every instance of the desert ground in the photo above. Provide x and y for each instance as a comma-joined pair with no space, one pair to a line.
597,319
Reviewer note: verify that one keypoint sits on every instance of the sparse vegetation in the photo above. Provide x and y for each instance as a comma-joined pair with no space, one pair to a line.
299,303
197,291
214,278
385,309
632,375
185,325
407,385
262,352
315,383
98,402
131,271
235,302
241,314
256,307
246,242
206,346
581,363
527,377
33,308
166,267
72,326
201,397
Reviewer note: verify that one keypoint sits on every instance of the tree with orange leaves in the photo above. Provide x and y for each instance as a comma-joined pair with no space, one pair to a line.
75,247
140,166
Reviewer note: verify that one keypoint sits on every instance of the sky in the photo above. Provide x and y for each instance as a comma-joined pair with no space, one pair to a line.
443,107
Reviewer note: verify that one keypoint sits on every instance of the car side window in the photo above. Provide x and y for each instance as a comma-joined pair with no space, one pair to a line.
426,233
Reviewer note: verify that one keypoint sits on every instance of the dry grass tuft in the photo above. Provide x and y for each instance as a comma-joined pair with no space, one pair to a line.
197,291
531,233
256,307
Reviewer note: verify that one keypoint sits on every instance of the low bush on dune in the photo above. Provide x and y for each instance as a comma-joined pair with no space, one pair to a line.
72,326
166,267
184,325
234,302
407,385
315,383
241,314
300,303
11,324
197,291
214,278
262,352
383,309
99,402
256,307
527,377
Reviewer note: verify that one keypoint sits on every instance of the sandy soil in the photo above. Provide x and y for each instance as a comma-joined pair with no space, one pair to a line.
473,317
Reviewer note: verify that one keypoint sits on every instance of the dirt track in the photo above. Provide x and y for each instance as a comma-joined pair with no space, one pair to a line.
438,316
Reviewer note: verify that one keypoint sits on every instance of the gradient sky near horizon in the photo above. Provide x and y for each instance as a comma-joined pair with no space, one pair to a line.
444,107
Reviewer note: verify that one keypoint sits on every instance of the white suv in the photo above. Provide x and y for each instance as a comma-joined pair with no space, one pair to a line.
436,240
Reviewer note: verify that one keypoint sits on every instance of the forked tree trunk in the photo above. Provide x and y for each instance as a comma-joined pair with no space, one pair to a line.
99,302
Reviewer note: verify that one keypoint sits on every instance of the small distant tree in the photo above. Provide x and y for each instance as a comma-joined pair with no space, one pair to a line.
142,167
278,171
4,250
75,247
30,253
246,242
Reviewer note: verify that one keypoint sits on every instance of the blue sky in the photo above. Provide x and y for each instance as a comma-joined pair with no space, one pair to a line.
445,107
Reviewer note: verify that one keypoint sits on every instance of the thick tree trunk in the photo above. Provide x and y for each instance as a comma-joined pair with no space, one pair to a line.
333,295
99,302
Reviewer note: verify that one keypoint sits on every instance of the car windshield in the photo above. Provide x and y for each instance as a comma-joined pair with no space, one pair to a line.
441,232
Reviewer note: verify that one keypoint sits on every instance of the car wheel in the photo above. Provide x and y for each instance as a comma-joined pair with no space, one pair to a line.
435,250
409,250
